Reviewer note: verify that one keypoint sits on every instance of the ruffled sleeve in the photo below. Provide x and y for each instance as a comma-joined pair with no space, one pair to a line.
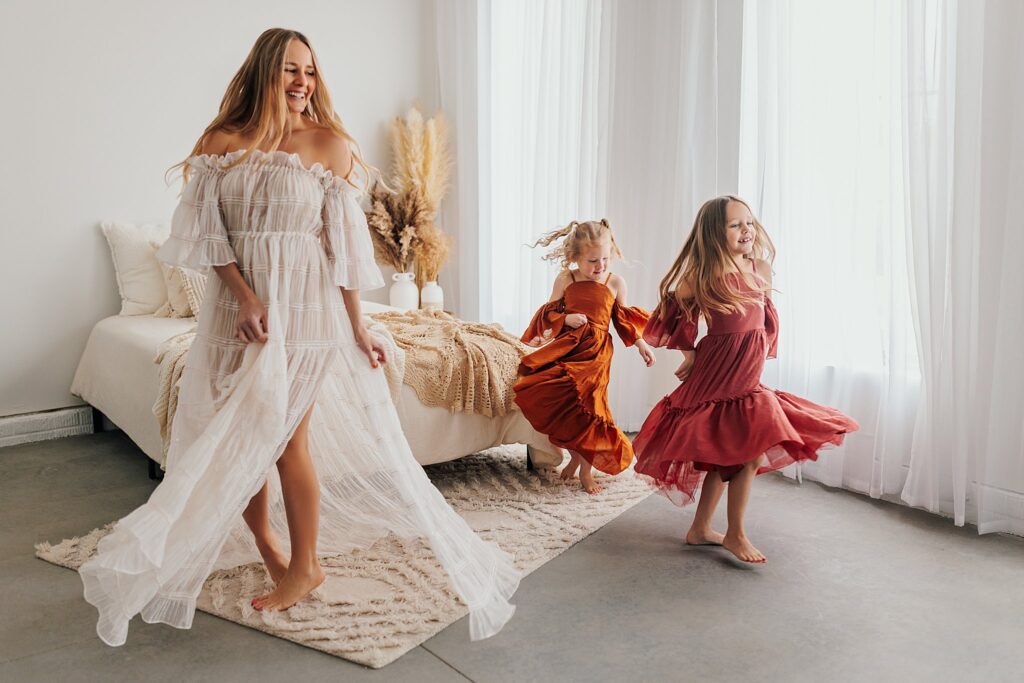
547,323
671,327
198,238
771,327
346,238
629,322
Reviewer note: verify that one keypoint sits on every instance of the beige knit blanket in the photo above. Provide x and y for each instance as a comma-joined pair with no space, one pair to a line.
462,366
171,355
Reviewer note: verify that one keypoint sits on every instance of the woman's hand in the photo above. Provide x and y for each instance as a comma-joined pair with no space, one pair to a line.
645,352
371,346
251,325
575,320
687,365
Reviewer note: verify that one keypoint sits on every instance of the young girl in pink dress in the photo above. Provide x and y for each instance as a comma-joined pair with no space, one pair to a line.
722,425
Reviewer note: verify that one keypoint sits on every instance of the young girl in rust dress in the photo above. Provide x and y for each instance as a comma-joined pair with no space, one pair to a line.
721,424
563,390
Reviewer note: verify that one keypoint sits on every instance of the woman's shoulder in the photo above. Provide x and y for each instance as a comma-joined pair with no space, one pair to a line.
329,148
221,141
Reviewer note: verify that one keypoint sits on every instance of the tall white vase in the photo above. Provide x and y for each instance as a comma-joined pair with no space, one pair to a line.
404,293
432,297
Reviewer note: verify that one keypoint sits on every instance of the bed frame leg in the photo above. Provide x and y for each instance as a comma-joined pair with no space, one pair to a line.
154,470
529,459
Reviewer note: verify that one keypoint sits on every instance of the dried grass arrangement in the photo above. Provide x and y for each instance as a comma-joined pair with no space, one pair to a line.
402,217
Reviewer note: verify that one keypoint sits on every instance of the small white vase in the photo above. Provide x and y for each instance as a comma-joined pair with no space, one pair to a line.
403,293
432,297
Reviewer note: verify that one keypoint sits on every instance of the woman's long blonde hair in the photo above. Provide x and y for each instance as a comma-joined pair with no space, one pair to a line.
702,261
575,237
254,103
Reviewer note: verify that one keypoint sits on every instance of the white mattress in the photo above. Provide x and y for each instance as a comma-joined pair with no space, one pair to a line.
118,377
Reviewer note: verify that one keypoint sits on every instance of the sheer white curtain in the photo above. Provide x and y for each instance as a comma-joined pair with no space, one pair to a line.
820,164
458,27
673,144
881,145
523,86
544,144
586,109
869,157
964,170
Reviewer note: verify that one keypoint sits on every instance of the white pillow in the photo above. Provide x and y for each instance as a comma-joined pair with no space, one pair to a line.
139,278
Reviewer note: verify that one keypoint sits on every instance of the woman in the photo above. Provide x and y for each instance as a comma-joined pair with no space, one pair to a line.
277,376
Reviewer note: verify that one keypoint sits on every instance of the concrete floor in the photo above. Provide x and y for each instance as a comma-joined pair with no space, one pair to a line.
855,590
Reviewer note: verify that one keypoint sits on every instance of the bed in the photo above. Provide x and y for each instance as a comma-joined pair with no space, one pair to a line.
118,377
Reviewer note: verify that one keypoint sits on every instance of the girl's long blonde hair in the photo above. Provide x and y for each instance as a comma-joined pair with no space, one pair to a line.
702,261
575,237
254,103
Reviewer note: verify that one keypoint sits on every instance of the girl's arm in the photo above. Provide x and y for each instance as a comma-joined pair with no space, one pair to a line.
618,286
561,282
682,293
573,320
683,371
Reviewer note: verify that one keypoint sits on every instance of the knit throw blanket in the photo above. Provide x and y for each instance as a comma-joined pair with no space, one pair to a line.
449,363
462,366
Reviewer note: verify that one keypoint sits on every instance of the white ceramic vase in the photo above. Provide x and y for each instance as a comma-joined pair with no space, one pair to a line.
432,297
403,293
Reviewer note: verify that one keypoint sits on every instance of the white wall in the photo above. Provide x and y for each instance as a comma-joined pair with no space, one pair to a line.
101,98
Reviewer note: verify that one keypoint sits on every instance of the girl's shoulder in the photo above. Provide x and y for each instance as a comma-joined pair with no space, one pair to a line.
617,284
764,269
564,277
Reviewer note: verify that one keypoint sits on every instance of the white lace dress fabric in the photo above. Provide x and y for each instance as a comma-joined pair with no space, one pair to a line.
297,234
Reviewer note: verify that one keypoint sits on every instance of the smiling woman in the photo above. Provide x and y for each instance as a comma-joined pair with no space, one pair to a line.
268,206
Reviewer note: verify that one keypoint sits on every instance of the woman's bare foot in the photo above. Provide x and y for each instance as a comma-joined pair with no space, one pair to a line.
295,585
741,547
589,485
275,560
704,537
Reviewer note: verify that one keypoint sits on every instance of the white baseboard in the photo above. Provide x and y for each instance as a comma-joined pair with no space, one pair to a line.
51,424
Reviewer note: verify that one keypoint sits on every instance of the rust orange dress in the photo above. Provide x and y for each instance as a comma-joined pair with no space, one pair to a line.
563,388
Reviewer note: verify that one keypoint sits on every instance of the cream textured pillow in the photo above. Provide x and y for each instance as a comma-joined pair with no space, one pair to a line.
139,279
184,291
177,299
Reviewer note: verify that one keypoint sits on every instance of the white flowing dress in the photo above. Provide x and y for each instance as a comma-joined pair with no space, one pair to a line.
297,234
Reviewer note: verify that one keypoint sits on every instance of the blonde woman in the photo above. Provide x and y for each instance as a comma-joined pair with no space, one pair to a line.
283,372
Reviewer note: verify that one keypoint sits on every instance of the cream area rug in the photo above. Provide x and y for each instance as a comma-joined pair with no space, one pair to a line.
379,603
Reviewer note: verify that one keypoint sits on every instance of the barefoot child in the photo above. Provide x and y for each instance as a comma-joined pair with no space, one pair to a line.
563,388
721,424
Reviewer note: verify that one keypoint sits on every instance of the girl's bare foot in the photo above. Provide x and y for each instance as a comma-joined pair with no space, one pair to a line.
569,471
295,585
739,546
275,560
704,537
589,485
